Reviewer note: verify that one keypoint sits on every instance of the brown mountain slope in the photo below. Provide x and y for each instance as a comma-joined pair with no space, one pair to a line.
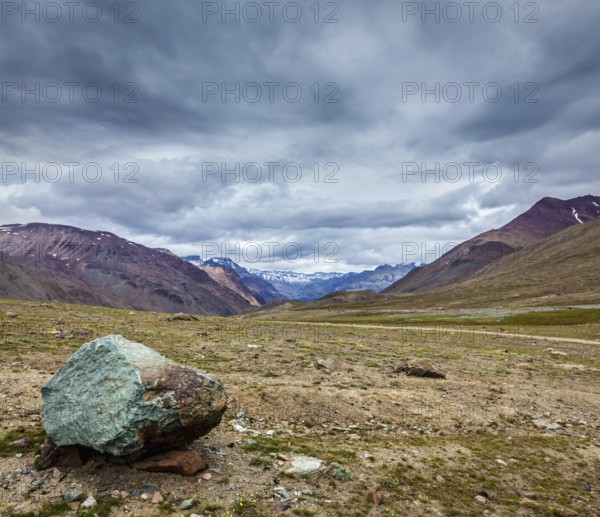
44,262
231,280
563,268
547,217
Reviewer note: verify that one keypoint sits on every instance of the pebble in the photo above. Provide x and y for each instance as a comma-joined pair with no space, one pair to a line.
206,476
374,497
480,499
156,498
187,504
22,442
502,463
90,502
73,495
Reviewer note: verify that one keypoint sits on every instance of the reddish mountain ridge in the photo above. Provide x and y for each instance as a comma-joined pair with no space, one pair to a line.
547,217
41,262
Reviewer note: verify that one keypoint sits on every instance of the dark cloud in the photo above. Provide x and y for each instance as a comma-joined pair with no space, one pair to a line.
171,61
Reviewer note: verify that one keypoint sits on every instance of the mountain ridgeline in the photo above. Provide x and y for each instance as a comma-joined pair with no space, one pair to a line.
268,285
46,262
547,217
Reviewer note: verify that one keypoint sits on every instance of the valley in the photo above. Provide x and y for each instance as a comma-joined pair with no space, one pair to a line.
516,419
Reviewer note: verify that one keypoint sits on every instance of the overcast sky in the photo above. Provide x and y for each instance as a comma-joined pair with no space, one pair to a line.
256,128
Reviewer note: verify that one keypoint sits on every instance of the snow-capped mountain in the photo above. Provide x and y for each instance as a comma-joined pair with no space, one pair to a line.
310,286
262,289
271,285
291,284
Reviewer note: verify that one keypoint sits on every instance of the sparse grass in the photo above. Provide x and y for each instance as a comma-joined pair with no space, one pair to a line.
36,434
416,429
47,510
556,317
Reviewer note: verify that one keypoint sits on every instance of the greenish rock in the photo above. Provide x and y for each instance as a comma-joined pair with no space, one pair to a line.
128,401
188,504
73,495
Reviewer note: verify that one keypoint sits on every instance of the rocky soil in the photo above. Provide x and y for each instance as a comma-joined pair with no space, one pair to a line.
322,421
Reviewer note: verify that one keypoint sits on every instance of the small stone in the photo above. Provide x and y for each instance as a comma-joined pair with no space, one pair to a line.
124,494
19,455
567,512
502,463
249,442
527,495
187,504
144,497
282,457
57,474
425,369
524,366
156,498
73,495
305,466
375,498
150,488
440,479
22,442
206,476
329,365
480,499
281,507
90,502
11,314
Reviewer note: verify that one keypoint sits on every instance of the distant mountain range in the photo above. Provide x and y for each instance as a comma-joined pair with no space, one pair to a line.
261,289
45,262
269,285
547,217
547,256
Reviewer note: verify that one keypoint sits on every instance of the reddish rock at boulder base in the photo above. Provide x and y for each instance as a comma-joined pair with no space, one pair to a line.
184,463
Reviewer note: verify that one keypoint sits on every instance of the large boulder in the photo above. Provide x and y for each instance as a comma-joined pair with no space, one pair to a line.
128,401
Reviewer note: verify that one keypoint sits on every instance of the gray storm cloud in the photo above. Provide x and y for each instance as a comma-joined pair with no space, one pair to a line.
369,125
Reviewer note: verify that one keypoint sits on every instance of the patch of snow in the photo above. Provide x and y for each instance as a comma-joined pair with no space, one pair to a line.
576,215
593,202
